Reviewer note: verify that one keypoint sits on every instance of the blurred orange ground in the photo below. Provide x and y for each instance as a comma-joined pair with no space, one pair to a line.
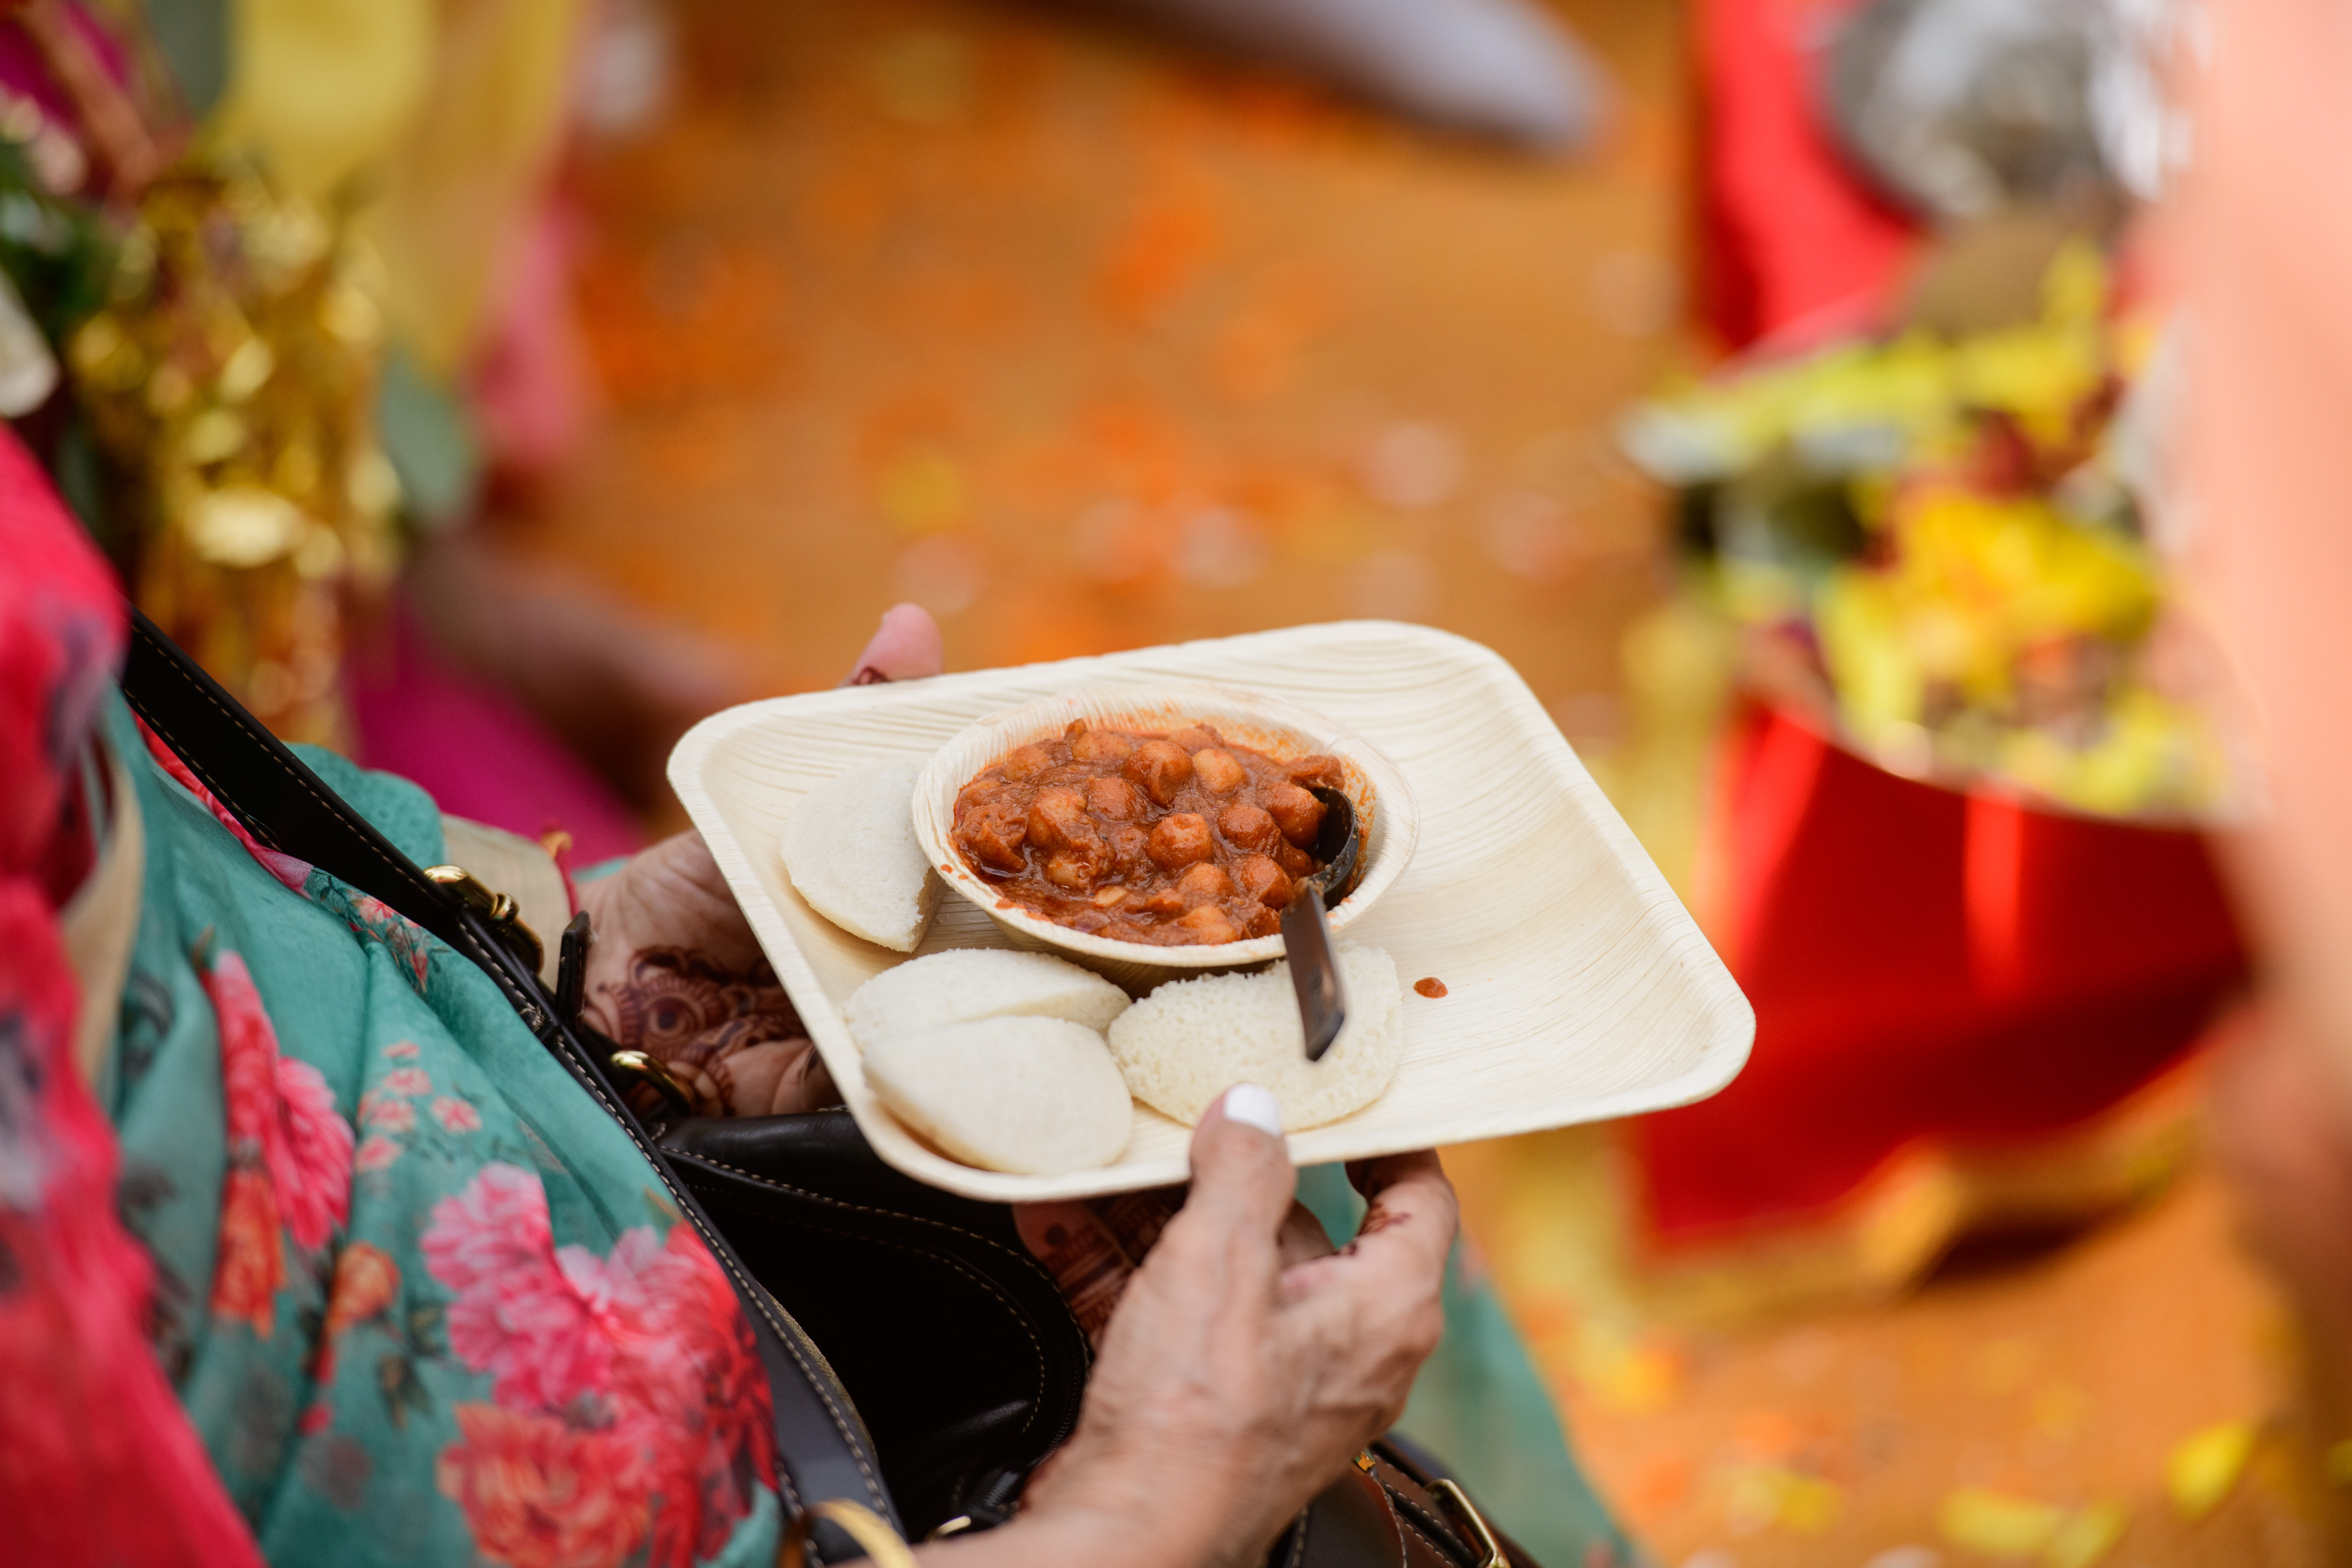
1086,346
1088,343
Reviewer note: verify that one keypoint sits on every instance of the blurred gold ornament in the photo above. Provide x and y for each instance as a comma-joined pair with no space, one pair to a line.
230,383
243,526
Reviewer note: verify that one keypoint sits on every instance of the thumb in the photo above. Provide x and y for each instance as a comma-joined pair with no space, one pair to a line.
1242,1176
906,646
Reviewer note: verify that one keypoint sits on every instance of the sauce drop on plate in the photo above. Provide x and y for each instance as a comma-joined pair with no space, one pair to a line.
1430,987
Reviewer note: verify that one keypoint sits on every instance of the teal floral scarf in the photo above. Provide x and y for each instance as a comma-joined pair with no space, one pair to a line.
421,1298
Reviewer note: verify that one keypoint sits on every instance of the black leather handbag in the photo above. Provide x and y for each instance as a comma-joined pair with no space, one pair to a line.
920,1362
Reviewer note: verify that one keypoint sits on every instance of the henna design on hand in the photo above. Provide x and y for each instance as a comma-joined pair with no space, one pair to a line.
698,1018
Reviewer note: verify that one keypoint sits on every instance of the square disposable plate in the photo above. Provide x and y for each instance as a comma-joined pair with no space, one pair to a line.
1577,987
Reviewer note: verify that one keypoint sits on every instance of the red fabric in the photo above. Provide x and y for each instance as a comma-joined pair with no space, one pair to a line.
1924,965
99,1463
1789,234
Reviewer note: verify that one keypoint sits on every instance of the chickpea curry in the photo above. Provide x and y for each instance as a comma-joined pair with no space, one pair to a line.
1175,840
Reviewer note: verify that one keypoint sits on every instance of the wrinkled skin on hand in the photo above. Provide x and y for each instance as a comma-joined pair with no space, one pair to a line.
1244,1361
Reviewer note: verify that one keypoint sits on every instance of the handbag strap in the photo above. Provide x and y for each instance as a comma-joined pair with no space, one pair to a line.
822,1450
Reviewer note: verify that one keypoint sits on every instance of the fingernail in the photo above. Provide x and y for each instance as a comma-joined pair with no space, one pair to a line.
1249,1103
869,676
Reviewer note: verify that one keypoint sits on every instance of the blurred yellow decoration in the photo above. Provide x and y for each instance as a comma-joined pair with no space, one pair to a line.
2087,1535
1975,584
1911,399
1627,1370
243,526
238,435
1999,1524
2206,1465
322,89
442,116
1951,523
1761,1495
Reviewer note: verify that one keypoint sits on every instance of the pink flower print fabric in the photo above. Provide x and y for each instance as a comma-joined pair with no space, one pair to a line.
289,1151
628,1382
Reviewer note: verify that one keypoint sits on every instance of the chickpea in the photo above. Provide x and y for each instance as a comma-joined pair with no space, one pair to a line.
994,834
1247,827
1261,922
1075,868
985,791
1217,769
1032,759
1317,769
1129,849
1160,768
1166,901
1116,799
1292,859
1263,879
1203,882
1102,746
1180,840
1058,819
1199,737
1208,923
1296,813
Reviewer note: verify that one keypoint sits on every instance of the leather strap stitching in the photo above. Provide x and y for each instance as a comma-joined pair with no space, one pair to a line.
1405,1553
1427,1521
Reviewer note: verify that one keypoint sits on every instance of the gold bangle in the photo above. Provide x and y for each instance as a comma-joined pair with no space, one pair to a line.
862,1524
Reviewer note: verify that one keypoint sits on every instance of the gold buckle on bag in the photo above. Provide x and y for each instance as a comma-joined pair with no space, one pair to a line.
861,1524
1462,1505
652,1071
503,915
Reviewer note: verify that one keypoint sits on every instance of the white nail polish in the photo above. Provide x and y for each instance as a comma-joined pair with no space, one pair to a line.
1255,1105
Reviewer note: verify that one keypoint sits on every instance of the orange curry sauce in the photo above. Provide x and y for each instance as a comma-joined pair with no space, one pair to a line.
1172,839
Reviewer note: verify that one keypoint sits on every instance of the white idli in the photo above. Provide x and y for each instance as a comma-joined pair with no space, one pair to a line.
1191,1040
969,983
851,850
1037,1097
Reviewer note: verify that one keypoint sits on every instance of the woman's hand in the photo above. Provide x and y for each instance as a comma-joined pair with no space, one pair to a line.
676,972
1237,1376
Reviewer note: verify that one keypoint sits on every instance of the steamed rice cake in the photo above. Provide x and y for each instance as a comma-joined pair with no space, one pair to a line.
851,851
1191,1040
969,983
1034,1096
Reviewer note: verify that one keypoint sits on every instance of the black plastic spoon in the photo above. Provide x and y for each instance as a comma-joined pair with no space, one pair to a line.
1307,934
